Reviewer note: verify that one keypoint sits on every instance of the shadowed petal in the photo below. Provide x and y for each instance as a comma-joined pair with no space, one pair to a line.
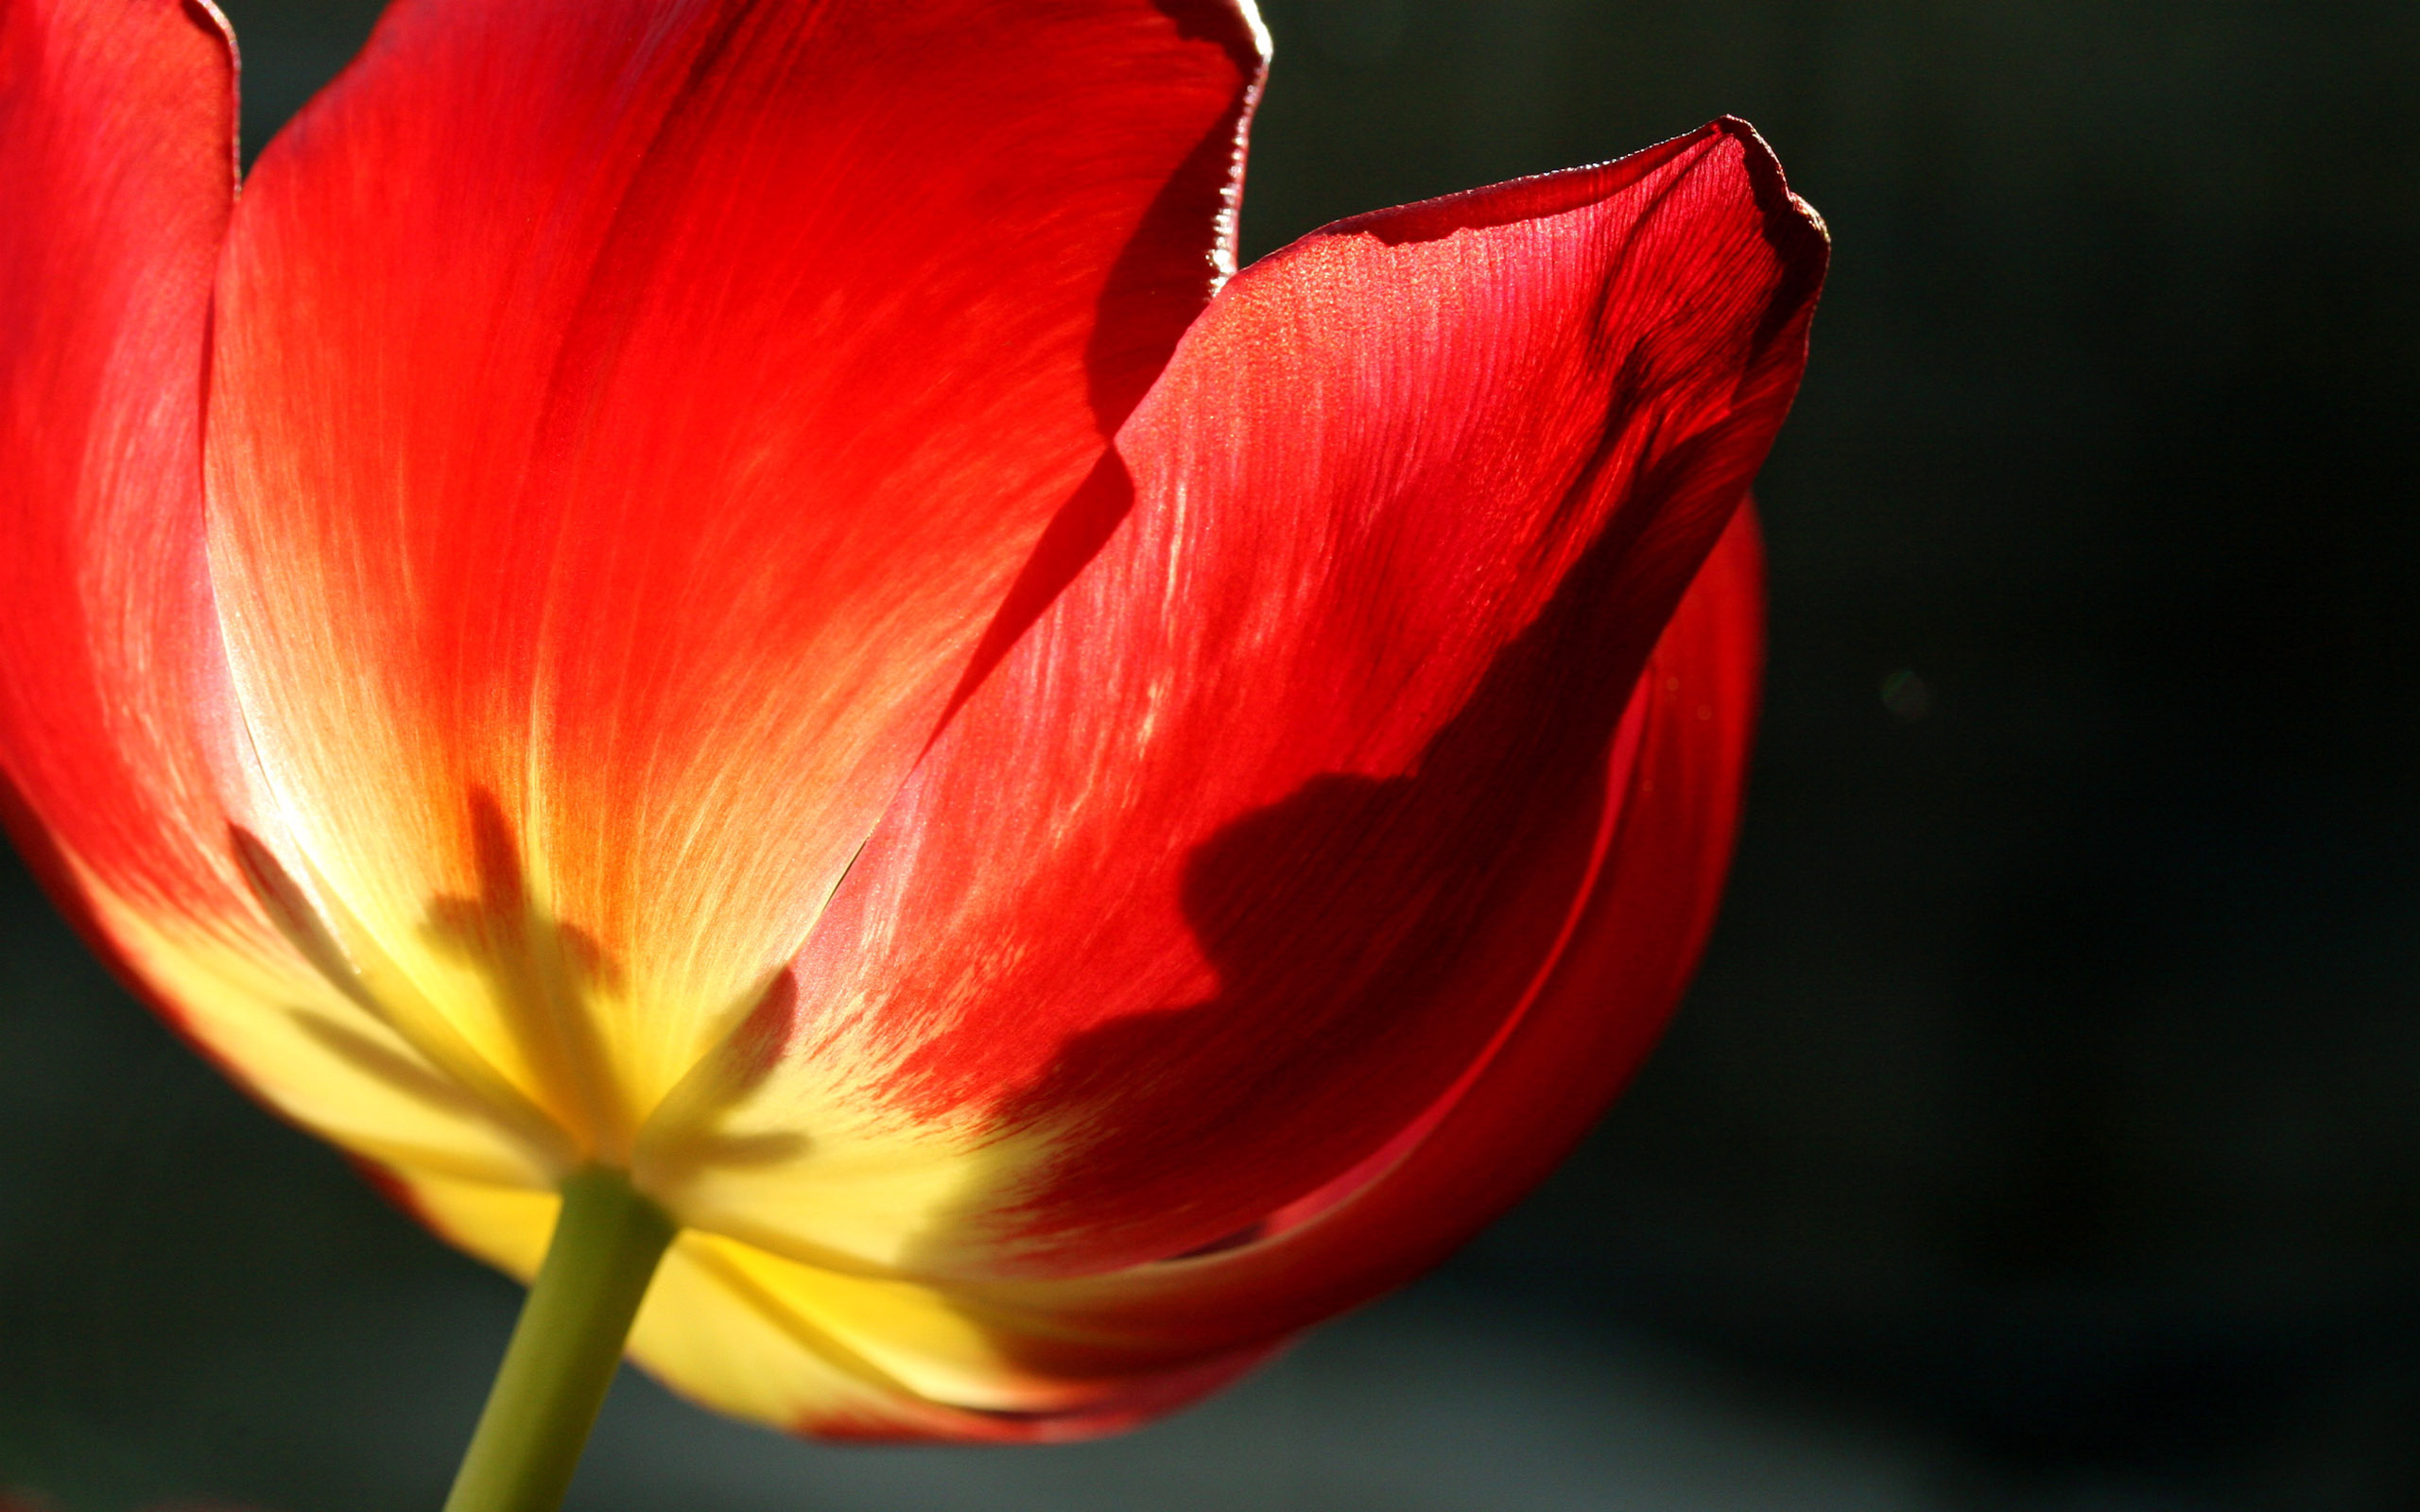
818,1348
1635,943
1261,835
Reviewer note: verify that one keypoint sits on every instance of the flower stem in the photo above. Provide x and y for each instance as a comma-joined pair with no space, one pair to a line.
564,1348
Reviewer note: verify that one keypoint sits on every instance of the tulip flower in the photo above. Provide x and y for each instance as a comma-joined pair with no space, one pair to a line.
723,622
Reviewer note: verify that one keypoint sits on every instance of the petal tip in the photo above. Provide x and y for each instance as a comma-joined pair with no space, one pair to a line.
1783,208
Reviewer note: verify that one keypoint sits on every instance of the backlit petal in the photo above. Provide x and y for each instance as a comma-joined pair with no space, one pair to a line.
1636,942
1263,834
817,1349
124,763
117,168
628,419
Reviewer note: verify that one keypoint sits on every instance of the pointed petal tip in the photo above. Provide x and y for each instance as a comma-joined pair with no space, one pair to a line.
1796,233
1790,215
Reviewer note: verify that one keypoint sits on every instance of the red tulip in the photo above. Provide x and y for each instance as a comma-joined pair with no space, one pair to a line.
705,589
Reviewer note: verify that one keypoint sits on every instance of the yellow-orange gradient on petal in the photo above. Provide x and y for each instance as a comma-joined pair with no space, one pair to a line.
739,591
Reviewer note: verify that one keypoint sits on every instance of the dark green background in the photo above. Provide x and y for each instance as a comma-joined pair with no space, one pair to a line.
2042,1133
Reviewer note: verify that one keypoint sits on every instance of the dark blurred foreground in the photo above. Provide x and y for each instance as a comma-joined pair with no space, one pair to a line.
2045,1130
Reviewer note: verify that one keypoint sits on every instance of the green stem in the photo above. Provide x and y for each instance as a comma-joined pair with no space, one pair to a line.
565,1348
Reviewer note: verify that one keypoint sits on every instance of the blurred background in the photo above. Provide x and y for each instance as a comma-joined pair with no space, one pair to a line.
2044,1131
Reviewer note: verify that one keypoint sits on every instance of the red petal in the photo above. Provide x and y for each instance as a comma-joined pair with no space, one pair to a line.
1265,829
1635,943
118,739
117,167
627,418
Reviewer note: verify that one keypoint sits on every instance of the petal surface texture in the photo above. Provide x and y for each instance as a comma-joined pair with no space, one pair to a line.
628,419
126,776
1341,765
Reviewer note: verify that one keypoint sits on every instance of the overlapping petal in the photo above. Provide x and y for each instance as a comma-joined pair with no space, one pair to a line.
822,1349
615,464
1678,772
661,662
1263,834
